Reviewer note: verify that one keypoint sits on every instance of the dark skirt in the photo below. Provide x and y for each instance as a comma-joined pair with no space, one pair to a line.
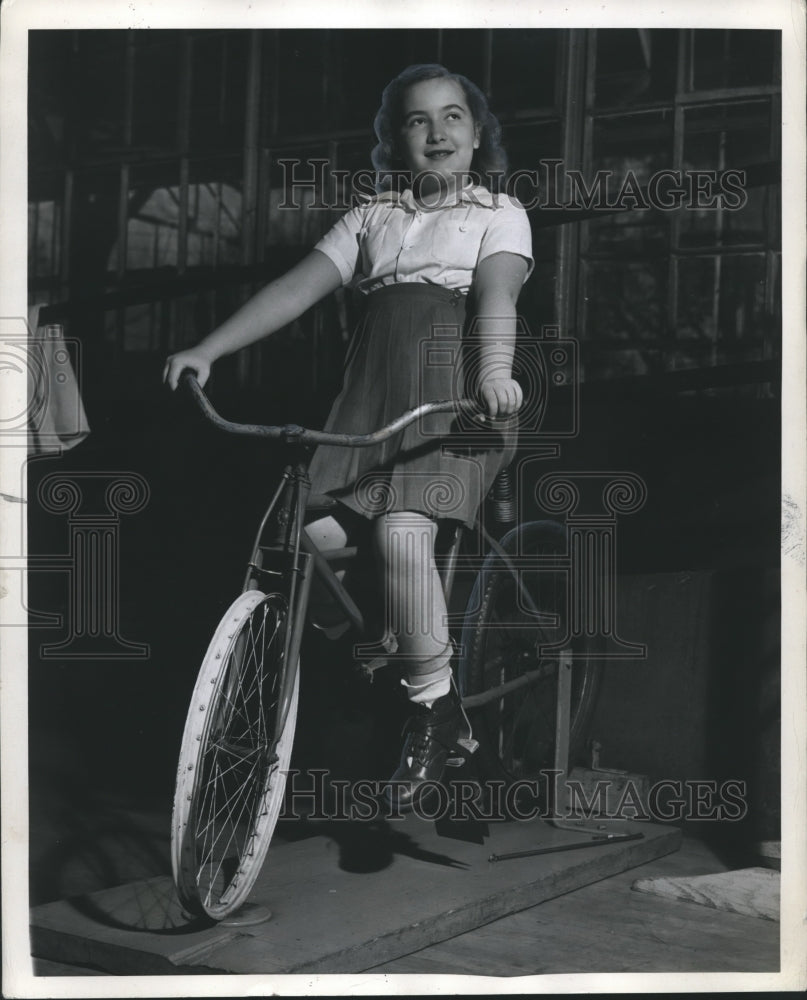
410,348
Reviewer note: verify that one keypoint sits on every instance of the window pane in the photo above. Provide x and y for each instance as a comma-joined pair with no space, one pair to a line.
603,363
635,66
214,215
215,212
96,196
463,51
99,90
627,151
526,146
151,234
735,58
721,309
140,326
726,137
218,89
523,69
420,46
163,325
624,301
158,63
706,227
697,307
214,218
353,156
301,95
298,211
44,239
633,233
48,94
741,320
368,60
151,229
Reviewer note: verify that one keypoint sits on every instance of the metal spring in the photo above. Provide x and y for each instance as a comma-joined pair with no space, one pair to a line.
504,500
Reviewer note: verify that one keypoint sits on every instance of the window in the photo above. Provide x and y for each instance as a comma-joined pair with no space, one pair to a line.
663,287
166,185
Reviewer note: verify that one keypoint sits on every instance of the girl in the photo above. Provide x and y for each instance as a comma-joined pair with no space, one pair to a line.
438,235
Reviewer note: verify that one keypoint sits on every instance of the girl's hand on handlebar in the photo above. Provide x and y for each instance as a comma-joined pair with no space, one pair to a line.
501,397
193,359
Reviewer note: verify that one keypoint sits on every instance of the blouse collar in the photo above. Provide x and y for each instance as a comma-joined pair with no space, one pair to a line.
469,194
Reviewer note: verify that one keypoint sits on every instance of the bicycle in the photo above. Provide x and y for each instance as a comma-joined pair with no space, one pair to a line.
238,737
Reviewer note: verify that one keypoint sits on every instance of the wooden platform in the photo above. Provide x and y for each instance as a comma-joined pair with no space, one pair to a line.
342,900
608,928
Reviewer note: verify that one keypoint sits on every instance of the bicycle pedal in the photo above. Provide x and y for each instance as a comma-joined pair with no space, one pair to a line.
368,668
332,632
470,746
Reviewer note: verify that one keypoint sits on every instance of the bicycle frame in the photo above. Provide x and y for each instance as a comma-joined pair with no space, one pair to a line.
238,740
282,548
280,536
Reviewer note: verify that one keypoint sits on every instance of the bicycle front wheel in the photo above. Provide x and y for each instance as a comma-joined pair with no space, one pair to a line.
511,622
234,757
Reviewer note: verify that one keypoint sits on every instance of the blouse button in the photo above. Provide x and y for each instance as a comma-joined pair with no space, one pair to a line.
463,229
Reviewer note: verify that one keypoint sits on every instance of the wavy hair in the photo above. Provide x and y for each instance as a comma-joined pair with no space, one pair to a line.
489,162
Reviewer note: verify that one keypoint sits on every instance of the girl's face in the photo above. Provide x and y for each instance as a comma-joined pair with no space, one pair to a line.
438,135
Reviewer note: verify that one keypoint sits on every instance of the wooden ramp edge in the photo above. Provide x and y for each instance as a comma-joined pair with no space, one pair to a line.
342,900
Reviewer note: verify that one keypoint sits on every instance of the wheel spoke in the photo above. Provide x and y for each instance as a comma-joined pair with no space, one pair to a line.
248,682
237,788
233,808
232,825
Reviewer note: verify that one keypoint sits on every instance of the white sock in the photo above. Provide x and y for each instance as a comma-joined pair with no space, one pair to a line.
430,687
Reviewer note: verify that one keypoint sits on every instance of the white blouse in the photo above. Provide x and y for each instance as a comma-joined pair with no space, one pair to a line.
392,239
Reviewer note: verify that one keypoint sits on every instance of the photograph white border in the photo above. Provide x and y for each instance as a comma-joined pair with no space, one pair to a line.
20,16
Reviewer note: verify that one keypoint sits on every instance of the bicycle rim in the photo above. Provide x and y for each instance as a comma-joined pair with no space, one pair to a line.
230,781
503,639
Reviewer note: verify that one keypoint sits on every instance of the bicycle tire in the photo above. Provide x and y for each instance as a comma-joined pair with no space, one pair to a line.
501,638
229,791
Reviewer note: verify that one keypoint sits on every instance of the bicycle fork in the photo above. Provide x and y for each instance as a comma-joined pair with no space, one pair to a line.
277,554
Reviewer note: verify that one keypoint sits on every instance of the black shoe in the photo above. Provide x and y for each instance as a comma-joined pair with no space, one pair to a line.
436,738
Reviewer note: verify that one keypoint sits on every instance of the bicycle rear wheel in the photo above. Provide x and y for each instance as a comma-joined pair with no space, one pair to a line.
506,625
234,757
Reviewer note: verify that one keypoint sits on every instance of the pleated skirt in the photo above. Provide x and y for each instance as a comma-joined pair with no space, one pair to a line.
410,348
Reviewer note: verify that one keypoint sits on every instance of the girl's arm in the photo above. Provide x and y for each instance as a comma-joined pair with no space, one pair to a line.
497,286
279,303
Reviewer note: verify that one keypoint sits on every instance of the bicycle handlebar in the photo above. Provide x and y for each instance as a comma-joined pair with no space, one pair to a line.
294,433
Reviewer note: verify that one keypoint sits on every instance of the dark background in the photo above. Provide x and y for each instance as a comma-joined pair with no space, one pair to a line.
153,213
